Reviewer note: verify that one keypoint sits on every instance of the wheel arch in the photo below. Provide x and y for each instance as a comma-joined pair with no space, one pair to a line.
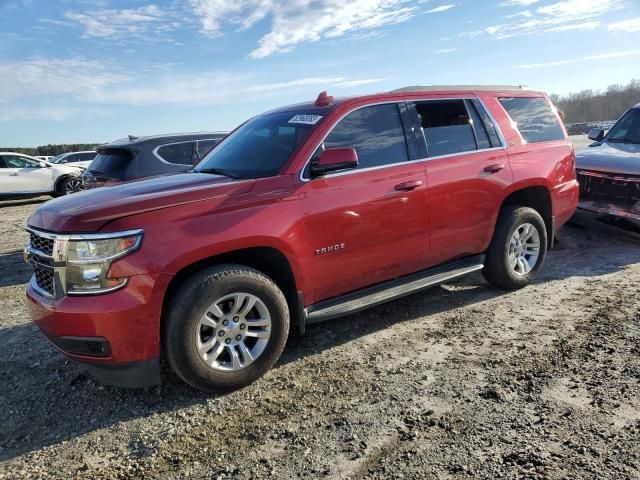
268,260
537,197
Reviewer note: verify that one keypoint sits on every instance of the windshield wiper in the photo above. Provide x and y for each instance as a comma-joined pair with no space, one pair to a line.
217,171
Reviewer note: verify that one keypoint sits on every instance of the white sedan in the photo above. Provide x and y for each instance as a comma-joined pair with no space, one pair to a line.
25,176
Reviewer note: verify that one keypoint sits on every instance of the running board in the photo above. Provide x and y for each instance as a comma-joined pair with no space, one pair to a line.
400,287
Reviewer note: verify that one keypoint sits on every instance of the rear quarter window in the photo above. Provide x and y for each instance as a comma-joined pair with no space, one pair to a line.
534,118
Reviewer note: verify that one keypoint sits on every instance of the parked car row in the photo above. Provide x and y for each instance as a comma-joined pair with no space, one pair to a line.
128,159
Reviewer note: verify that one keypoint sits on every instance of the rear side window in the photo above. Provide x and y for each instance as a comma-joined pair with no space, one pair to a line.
204,146
447,127
86,156
178,153
534,119
110,163
375,132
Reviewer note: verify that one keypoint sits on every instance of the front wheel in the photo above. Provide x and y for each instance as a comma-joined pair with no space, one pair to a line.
518,248
225,328
67,186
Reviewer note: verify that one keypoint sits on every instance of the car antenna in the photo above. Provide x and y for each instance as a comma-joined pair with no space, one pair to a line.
132,138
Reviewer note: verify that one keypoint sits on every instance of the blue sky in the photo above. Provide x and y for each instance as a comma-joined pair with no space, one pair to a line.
97,70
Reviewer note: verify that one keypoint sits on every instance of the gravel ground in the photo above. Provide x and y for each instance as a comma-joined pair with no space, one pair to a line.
461,381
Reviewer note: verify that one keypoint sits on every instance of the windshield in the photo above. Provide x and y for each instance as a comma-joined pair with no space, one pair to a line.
627,129
261,146
57,158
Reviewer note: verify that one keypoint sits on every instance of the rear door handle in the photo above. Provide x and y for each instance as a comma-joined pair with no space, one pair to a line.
494,168
407,186
13,174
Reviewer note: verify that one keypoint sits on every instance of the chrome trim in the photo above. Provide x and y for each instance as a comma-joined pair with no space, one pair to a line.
408,162
40,291
60,259
84,293
29,250
159,157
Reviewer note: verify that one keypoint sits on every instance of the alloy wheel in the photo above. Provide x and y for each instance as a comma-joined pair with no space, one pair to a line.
524,249
233,332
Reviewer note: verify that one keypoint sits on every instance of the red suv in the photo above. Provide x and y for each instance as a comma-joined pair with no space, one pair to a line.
302,214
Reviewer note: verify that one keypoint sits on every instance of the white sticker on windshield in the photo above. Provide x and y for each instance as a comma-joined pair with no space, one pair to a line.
306,119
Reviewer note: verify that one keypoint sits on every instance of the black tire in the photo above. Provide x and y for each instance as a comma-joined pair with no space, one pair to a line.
63,187
190,303
497,269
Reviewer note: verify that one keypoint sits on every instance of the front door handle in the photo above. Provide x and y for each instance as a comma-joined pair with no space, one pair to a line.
494,168
407,186
13,174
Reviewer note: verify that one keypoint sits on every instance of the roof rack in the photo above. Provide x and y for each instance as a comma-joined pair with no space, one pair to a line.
423,88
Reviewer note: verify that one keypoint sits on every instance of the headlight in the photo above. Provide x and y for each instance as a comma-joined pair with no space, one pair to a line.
89,258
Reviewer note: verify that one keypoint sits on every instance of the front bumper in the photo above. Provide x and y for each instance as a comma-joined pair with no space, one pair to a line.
602,208
116,334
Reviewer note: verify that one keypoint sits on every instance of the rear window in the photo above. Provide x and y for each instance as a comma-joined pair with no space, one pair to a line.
110,163
534,119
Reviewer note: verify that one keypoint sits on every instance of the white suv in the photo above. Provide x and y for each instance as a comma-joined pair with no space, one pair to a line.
25,176
80,159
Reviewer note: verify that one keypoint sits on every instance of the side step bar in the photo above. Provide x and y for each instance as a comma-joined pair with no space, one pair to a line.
384,292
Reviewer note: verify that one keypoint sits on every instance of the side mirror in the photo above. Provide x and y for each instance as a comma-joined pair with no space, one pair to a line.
596,134
335,159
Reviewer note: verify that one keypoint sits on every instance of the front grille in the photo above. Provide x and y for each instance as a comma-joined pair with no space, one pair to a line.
45,245
609,188
44,277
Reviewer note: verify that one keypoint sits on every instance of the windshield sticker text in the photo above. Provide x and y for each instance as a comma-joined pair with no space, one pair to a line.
306,119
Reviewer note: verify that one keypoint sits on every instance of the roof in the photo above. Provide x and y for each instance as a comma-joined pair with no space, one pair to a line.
133,140
18,153
464,88
311,105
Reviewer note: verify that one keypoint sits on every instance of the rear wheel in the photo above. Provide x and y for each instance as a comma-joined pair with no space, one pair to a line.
518,248
226,328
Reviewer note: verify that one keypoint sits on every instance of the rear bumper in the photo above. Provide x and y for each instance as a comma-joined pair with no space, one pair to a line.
117,335
565,202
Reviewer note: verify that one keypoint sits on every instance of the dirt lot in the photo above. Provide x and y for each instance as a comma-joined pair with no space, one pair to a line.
463,381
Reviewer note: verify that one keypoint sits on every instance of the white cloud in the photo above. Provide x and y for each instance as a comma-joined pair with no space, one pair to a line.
518,3
57,89
121,23
630,25
601,56
441,8
564,15
445,50
300,21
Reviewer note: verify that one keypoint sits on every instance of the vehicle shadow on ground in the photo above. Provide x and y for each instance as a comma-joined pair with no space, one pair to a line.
23,202
76,404
14,270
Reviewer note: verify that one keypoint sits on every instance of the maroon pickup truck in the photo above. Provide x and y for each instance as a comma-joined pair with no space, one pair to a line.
302,214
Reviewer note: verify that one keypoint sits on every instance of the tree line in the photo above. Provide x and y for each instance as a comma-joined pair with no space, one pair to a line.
595,105
52,150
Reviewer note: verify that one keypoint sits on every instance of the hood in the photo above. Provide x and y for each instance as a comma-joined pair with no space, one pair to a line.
90,210
61,169
621,158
